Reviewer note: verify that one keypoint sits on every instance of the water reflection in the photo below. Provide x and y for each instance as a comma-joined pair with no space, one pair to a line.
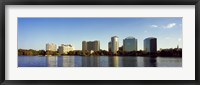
52,61
98,61
149,62
102,61
129,62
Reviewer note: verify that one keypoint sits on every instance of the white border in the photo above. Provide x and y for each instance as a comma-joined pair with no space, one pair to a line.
187,72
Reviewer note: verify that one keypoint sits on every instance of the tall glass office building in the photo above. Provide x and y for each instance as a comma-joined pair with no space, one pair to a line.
150,44
130,44
114,44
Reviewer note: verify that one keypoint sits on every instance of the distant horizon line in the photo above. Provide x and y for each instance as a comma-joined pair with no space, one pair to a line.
102,49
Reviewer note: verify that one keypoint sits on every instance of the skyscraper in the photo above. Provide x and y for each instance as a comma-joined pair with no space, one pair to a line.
96,45
109,46
64,49
114,44
91,46
51,47
130,44
84,46
150,44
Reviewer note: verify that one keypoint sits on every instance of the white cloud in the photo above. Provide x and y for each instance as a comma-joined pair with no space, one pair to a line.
145,31
168,26
171,25
154,26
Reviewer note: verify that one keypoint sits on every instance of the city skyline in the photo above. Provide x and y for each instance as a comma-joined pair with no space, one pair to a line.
34,33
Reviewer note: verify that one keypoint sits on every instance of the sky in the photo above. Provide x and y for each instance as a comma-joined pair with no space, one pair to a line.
34,33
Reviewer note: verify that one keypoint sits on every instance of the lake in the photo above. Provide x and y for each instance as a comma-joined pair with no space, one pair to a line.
98,61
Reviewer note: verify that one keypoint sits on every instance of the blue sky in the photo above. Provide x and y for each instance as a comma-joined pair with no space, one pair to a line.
34,33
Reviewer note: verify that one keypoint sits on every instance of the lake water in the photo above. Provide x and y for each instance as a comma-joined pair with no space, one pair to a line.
98,61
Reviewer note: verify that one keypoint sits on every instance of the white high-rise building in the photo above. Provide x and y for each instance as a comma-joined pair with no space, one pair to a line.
150,44
114,44
51,47
130,44
64,49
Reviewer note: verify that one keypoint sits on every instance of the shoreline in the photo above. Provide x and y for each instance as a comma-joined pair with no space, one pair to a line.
99,56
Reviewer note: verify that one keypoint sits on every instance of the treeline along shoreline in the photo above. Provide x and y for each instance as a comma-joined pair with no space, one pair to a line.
162,53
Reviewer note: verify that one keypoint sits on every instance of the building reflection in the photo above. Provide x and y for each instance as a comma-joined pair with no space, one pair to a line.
103,61
129,61
68,61
168,62
149,62
97,61
60,61
91,61
138,62
100,61
77,61
52,61
115,61
111,61
85,61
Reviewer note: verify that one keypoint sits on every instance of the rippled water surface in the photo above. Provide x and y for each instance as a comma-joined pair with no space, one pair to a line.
98,61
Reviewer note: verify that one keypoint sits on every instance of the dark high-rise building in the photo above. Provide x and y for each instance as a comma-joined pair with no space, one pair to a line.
150,44
109,46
